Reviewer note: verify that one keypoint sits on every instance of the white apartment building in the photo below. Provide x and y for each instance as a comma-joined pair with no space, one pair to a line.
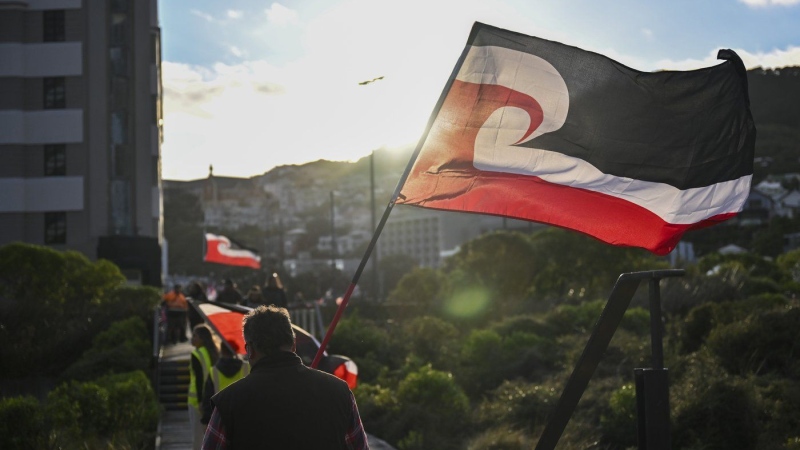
428,236
81,128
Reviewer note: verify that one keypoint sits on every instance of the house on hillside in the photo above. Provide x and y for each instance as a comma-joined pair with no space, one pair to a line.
758,209
789,205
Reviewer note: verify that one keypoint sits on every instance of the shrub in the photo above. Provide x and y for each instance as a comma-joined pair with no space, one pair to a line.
366,343
79,411
123,347
431,403
720,417
518,404
22,424
619,425
134,409
567,319
704,318
433,340
117,410
764,343
501,438
779,410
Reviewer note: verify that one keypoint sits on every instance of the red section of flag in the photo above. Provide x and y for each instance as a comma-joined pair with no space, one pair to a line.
229,324
220,250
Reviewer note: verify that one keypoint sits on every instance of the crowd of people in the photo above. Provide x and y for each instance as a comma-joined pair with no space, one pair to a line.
278,385
233,399
175,306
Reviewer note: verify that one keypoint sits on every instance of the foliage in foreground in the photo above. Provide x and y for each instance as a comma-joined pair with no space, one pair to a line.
115,411
730,339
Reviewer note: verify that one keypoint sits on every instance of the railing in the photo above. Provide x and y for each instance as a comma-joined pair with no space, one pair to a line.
308,318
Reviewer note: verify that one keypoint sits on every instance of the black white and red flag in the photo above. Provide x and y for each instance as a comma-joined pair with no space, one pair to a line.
537,130
221,250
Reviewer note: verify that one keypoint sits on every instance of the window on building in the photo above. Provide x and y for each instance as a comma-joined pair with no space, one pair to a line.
54,93
55,160
53,29
55,228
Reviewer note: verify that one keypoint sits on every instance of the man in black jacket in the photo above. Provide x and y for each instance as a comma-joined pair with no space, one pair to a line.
282,404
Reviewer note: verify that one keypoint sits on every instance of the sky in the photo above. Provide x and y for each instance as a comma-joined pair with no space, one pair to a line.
253,84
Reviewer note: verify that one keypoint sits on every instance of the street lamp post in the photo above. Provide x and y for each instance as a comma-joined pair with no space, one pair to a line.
376,285
376,282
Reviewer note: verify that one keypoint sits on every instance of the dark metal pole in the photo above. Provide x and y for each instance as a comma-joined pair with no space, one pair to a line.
656,325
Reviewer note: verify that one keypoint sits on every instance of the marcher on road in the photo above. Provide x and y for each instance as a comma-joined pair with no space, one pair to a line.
282,403
228,369
204,356
274,293
230,293
177,306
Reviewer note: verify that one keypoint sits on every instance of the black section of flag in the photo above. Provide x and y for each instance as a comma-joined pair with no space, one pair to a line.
687,129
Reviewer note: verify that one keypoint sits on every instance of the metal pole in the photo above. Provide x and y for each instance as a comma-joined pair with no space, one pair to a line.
656,325
333,236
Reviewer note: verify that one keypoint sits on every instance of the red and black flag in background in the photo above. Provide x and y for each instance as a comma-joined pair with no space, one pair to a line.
221,250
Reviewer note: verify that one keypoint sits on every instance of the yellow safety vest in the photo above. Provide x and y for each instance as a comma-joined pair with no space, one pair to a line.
221,381
204,357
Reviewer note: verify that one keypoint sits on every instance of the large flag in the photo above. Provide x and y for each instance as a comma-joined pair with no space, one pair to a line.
541,131
221,250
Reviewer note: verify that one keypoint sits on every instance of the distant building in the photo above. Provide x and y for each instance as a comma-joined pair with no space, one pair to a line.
758,209
81,128
429,236
229,203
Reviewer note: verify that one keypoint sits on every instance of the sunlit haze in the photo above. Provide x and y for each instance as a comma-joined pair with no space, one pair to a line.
250,85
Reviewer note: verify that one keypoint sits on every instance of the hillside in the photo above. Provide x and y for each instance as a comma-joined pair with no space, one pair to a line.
775,103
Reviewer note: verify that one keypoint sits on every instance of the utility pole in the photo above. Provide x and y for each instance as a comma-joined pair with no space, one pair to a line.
333,236
376,283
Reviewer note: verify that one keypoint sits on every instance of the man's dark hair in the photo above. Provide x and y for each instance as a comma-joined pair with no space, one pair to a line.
268,328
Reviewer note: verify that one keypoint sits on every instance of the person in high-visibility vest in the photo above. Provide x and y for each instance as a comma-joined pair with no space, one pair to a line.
228,369
204,356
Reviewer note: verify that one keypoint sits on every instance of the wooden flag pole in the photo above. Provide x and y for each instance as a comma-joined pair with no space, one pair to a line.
388,210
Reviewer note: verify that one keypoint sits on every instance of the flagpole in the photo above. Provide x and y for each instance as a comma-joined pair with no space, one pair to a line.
376,234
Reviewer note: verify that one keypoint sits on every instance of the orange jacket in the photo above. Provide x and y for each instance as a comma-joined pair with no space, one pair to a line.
175,300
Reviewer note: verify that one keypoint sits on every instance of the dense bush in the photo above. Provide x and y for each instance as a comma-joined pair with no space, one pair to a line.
22,424
432,404
55,303
125,346
721,417
433,340
763,343
367,344
114,411
54,322
517,404
619,424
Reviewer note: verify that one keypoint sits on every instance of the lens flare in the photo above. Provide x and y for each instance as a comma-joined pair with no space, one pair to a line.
467,303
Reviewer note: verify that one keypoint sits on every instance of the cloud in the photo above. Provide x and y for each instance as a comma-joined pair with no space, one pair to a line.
647,33
234,14
237,51
280,15
766,3
768,60
203,15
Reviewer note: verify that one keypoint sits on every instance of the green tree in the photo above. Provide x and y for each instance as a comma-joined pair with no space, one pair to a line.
418,293
576,267
502,263
53,305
